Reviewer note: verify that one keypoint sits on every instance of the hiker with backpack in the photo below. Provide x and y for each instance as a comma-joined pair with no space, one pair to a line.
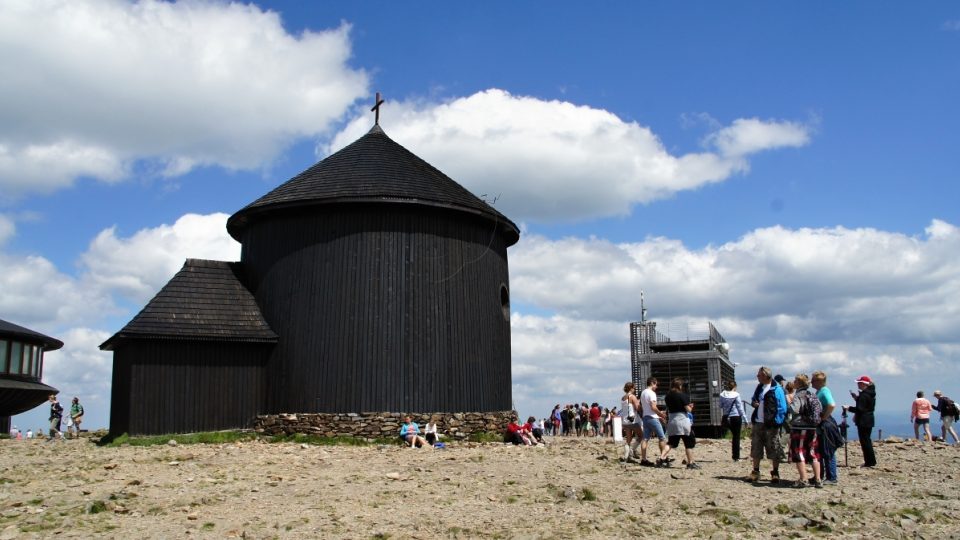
803,431
770,409
948,415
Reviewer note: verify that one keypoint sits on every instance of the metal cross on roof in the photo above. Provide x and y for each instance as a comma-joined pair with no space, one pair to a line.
376,108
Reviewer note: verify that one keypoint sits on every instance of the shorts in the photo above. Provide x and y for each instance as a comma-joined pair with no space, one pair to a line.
689,441
803,446
651,426
948,421
922,421
764,439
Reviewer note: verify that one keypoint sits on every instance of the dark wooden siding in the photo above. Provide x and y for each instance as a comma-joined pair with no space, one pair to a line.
386,307
173,386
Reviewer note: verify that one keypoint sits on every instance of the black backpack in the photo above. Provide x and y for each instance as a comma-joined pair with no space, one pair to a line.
948,407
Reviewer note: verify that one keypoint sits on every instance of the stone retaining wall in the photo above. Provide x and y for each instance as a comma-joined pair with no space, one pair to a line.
377,425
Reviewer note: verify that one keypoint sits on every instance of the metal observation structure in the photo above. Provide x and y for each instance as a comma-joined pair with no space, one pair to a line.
696,353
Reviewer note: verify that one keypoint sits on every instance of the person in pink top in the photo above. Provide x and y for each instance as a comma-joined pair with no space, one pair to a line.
920,416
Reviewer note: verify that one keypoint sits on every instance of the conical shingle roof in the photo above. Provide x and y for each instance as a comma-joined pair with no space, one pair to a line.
373,169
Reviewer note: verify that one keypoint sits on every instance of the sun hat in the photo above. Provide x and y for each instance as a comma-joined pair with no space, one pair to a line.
864,379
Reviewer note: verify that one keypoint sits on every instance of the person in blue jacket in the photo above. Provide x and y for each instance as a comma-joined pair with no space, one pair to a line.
771,409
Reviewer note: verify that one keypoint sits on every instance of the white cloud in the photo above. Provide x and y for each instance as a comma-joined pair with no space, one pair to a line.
750,135
952,26
855,275
91,86
138,266
34,292
556,161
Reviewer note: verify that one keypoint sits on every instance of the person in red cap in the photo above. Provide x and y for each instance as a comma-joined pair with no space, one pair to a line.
866,402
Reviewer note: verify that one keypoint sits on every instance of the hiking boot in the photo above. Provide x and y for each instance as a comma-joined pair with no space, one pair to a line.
774,477
829,482
799,484
647,463
818,484
754,477
693,466
662,463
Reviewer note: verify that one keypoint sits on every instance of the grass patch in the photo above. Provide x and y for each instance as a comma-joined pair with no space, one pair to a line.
96,507
209,437
485,437
589,495
512,499
208,526
781,509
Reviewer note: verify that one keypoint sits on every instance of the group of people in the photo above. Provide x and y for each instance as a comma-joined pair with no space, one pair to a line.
643,419
74,419
920,416
411,436
801,409
580,420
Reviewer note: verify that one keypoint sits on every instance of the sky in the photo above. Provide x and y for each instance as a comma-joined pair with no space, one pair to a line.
785,170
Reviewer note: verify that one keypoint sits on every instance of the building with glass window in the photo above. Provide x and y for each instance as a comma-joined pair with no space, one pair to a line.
21,368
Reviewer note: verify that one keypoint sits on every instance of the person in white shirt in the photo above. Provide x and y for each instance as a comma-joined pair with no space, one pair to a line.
652,416
430,431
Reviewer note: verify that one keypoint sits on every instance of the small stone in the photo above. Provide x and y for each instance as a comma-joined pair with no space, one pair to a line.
110,466
173,463
192,517
796,522
172,442
393,475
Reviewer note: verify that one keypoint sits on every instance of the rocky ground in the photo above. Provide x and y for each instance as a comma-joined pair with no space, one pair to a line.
573,488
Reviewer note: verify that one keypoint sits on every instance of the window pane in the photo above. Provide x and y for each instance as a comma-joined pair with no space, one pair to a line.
3,356
37,354
27,356
16,352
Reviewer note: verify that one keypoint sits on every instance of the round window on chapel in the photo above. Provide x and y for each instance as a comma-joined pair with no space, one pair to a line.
505,301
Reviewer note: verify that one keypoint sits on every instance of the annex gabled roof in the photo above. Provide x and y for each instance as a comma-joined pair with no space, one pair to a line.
373,169
205,300
10,330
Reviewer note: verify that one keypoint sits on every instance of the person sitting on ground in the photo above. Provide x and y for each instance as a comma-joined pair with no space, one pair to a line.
807,413
920,416
430,432
410,434
514,434
679,425
533,431
948,415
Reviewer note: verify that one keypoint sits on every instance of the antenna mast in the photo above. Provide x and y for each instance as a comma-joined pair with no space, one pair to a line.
643,310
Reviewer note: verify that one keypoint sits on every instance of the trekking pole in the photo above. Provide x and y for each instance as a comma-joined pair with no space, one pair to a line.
843,431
